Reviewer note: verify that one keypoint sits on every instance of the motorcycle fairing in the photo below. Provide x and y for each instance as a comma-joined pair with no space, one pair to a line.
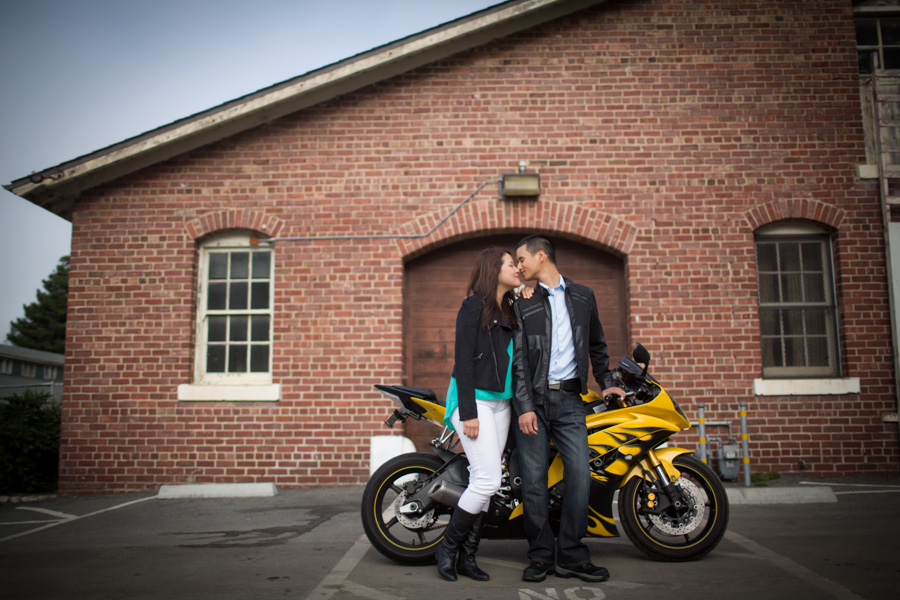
418,402
666,457
600,519
624,447
623,443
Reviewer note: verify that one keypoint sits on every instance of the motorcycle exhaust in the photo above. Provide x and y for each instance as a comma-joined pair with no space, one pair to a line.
446,493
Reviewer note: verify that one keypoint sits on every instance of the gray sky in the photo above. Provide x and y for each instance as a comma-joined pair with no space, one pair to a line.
80,75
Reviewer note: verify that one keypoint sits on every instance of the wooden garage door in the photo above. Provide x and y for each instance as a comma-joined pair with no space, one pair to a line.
435,286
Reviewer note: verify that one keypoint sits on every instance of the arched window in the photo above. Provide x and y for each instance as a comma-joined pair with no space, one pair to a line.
798,316
233,359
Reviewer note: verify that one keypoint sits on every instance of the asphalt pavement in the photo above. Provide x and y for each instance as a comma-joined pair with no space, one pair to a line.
797,538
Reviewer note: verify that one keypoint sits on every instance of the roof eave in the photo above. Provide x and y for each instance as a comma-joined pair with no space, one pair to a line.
57,188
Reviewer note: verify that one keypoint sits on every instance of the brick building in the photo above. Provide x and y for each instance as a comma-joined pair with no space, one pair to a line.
241,278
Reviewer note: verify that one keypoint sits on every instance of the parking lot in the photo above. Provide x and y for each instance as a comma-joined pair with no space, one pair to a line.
308,543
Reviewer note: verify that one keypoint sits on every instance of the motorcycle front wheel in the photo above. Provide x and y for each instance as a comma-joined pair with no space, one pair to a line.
679,534
406,539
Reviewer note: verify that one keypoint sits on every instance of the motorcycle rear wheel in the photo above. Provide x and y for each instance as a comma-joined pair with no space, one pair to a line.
408,540
677,535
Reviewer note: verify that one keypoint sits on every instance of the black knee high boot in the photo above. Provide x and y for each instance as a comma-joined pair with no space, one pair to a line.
465,564
460,524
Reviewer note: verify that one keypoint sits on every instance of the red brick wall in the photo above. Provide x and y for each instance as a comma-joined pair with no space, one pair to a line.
663,132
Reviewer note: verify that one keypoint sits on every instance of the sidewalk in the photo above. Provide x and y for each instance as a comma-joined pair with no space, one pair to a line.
791,489
804,489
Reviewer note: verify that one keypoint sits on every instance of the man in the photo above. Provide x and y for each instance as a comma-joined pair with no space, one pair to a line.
558,332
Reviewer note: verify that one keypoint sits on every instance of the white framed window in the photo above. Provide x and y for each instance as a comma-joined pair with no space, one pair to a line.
797,311
29,370
49,372
233,359
878,35
6,367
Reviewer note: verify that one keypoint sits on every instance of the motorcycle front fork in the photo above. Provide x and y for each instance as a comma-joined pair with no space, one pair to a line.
673,496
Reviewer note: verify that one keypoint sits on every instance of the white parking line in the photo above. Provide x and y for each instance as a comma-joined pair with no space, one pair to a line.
337,579
74,518
29,522
362,591
47,511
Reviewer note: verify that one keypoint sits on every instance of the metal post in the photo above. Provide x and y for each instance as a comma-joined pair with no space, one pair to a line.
701,427
745,441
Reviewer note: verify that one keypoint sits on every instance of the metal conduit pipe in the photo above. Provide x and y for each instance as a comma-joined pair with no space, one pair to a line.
704,451
387,236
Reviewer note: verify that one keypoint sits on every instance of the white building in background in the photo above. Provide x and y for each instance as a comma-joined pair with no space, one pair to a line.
25,369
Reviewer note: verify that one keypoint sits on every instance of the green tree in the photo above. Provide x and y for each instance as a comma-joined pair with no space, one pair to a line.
44,325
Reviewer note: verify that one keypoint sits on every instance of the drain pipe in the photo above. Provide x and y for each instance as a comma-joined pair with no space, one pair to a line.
387,236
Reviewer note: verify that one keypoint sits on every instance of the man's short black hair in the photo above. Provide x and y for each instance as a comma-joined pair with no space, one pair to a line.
535,243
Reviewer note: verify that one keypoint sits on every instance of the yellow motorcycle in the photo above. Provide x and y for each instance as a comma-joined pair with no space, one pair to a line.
671,505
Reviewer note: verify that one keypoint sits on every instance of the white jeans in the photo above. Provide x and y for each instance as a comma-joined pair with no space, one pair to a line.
484,453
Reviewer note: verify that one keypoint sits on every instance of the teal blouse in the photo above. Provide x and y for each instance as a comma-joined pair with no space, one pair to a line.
453,397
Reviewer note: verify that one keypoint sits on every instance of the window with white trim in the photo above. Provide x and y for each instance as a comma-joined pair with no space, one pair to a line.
235,311
797,312
878,35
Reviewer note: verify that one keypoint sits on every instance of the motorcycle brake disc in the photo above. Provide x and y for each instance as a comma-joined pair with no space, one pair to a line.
422,521
688,520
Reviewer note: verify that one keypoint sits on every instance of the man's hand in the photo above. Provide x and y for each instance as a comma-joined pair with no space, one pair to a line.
528,423
470,428
613,391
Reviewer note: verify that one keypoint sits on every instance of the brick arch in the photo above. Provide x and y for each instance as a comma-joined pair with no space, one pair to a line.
565,219
809,210
223,220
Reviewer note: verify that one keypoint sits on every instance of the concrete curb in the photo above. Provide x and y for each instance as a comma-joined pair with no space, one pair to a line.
736,495
752,495
781,495
217,490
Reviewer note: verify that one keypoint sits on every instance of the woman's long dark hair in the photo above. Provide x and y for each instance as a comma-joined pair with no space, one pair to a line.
483,283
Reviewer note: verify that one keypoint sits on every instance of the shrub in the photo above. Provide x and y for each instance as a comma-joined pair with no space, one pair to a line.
29,443
762,479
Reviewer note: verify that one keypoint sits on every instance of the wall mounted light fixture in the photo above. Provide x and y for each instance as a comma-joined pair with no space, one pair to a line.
520,186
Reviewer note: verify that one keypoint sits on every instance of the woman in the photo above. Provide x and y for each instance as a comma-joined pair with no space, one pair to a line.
478,403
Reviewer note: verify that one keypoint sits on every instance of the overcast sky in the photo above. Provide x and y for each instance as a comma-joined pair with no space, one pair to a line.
80,75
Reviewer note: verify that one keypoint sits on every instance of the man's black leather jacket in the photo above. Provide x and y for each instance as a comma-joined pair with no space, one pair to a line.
531,344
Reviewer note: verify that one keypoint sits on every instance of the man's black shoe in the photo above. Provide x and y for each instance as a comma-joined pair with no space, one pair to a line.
586,572
537,571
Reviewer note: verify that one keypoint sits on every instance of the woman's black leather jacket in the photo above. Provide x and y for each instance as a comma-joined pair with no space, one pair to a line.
482,360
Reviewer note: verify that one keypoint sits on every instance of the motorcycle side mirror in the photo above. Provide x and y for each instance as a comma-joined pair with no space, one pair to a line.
642,356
